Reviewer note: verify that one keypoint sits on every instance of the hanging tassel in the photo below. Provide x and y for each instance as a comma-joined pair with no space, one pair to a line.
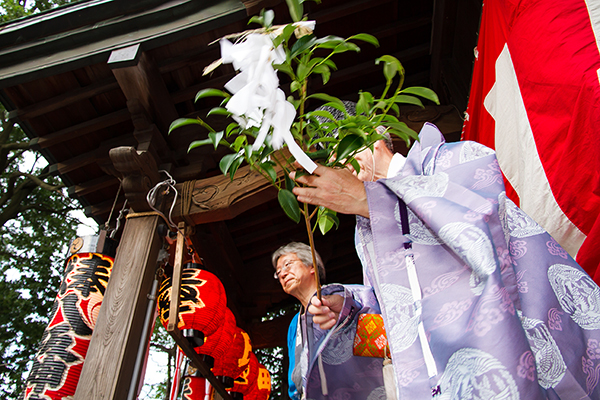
323,377
388,379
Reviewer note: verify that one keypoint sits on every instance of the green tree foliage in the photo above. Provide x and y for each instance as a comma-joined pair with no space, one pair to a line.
162,342
13,9
35,227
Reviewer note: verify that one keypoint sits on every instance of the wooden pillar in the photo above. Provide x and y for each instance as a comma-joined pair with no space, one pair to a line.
110,360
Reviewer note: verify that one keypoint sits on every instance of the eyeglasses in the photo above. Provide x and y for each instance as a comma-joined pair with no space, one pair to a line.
286,267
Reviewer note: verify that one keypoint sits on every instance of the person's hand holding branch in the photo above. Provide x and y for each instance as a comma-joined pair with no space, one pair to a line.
326,311
337,189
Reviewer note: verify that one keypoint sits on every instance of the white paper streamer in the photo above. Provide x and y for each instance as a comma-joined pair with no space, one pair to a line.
257,100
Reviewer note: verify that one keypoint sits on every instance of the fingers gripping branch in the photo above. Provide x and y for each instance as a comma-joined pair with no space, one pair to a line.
337,189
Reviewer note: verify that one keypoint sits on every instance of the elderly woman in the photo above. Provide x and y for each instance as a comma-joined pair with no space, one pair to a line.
322,364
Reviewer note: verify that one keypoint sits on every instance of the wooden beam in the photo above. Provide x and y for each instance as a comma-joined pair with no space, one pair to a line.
92,186
140,174
197,362
65,99
109,363
94,156
176,279
347,8
219,198
442,39
143,82
81,129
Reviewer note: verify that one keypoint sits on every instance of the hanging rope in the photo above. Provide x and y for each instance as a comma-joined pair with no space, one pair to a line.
163,188
124,211
112,209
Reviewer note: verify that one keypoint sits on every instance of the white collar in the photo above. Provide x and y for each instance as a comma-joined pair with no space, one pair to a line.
396,165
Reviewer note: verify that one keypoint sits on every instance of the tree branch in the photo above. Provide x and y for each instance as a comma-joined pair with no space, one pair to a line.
39,182
16,146
7,128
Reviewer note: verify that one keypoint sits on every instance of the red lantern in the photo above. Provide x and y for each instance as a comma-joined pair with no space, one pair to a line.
58,363
246,382
236,358
202,301
217,344
263,383
194,388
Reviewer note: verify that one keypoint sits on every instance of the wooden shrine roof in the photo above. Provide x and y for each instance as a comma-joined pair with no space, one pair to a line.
96,75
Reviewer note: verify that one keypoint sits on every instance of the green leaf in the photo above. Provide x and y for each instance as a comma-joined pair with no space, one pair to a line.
289,204
326,139
268,167
198,143
391,66
289,182
232,128
365,37
347,145
330,64
286,69
226,162
329,42
239,142
234,166
319,154
179,122
295,102
248,151
402,98
321,113
332,101
302,44
324,71
295,86
302,71
218,111
326,219
424,92
346,46
388,118
269,16
256,19
364,103
355,165
402,130
210,93
287,32
215,138
296,9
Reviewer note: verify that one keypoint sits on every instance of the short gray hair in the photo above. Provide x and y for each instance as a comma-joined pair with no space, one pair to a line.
303,252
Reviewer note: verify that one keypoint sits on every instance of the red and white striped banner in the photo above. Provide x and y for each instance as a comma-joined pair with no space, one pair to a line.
535,98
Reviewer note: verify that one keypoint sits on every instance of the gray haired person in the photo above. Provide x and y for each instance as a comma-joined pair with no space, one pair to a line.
321,360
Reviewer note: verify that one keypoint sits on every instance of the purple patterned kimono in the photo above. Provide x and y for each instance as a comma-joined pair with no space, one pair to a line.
504,312
333,371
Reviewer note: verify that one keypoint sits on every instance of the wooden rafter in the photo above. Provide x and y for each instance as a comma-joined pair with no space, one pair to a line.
82,129
64,99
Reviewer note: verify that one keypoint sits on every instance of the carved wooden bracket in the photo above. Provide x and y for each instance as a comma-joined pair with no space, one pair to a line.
140,174
219,198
